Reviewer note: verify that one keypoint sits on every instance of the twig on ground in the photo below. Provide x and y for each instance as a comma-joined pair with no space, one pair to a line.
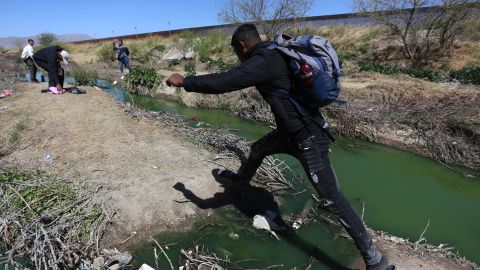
163,251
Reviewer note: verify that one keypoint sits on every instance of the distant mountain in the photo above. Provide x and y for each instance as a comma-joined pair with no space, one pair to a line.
17,42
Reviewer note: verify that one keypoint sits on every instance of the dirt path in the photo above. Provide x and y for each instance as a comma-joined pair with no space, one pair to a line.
135,162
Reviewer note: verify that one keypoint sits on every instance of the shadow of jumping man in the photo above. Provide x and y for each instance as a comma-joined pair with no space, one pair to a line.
251,201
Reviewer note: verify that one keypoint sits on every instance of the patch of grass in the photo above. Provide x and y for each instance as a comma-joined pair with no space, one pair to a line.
38,197
160,48
472,30
421,73
214,43
189,69
172,63
89,222
467,75
42,194
105,53
19,128
221,65
85,77
139,51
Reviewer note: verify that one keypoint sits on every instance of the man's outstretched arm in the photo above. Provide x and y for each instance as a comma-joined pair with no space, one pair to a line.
252,72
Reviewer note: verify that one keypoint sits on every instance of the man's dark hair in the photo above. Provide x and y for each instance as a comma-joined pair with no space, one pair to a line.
245,32
30,40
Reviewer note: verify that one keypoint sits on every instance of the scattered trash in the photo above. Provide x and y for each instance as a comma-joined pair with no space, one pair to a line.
297,223
75,90
3,107
123,77
6,93
85,265
145,267
195,118
261,223
98,263
48,159
233,236
96,87
55,91
119,261
114,82
199,124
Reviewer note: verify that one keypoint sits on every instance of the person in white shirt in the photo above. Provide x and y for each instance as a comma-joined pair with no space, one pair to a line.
27,56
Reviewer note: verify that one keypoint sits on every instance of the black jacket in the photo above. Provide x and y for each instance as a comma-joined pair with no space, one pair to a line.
267,70
47,58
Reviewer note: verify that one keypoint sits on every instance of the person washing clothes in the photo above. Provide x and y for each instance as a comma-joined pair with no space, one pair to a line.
49,59
123,54
27,57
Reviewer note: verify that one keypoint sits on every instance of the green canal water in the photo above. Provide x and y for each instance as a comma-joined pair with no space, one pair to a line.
401,193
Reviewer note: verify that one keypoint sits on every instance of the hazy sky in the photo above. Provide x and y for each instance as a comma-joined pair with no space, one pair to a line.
102,18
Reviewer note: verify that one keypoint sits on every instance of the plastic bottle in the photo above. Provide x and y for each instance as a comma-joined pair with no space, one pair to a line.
48,159
307,73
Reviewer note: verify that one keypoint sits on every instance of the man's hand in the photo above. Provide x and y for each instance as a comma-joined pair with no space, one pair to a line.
175,80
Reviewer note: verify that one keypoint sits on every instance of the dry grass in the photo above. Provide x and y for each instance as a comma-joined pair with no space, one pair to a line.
435,120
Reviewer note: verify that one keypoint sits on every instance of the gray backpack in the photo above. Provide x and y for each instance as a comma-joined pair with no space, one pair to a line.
315,68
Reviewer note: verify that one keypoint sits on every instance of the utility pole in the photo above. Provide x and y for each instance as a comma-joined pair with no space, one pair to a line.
169,30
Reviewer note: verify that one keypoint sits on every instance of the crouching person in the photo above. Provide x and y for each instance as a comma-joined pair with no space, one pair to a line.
50,59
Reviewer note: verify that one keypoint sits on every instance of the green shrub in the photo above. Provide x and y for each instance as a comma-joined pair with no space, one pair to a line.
85,77
346,55
383,69
160,48
221,65
189,68
427,74
421,73
172,63
3,50
143,76
105,52
467,75
47,39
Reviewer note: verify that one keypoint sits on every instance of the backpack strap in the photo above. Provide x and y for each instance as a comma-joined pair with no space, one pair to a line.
285,94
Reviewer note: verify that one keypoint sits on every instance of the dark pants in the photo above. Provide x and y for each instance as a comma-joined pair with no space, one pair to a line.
313,155
60,73
123,62
32,68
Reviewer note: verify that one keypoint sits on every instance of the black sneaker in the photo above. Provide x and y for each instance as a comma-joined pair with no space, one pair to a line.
383,264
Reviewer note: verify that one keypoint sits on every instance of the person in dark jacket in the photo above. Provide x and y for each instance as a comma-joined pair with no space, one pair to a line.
49,59
122,57
305,137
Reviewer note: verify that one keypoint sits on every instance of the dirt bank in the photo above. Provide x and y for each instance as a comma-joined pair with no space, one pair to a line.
134,160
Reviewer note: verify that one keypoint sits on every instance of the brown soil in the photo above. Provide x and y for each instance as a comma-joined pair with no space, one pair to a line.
133,161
